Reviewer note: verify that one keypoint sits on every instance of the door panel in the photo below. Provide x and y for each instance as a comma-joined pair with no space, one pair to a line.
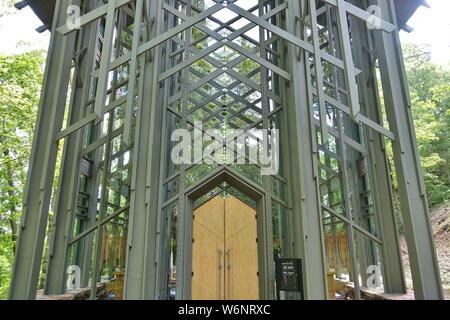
225,251
208,251
241,251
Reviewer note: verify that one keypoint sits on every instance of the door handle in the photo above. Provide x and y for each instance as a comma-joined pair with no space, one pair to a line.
228,274
219,278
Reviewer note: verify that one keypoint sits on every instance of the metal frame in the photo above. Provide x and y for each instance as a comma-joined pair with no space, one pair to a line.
130,76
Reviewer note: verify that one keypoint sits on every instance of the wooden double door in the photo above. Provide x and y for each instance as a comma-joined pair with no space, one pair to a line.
225,251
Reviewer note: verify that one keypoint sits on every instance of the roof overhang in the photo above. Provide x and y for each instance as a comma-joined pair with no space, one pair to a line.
44,10
405,9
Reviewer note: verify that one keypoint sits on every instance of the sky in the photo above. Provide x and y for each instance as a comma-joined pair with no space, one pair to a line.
18,34
431,27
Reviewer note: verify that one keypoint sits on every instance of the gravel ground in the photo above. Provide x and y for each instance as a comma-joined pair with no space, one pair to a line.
441,228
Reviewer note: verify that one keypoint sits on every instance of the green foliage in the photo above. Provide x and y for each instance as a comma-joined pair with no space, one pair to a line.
430,93
20,81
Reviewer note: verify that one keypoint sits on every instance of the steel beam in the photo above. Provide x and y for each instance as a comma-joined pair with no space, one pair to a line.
140,282
393,274
70,170
414,206
26,269
306,202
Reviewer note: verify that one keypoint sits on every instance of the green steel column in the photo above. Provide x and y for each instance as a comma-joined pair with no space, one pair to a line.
393,274
65,207
266,239
25,275
306,200
184,258
139,268
414,206
164,216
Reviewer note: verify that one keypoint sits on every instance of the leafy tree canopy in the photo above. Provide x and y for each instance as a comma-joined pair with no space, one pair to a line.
430,91
20,81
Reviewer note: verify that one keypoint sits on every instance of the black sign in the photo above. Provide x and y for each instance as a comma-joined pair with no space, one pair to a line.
289,275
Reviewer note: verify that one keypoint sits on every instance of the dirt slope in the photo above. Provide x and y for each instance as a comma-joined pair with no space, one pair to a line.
440,220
